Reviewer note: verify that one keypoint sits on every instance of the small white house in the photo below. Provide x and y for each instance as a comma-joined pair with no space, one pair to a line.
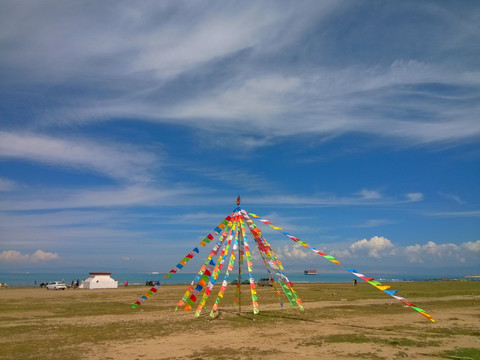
99,280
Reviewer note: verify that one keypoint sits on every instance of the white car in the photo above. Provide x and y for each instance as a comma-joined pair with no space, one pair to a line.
56,285
265,282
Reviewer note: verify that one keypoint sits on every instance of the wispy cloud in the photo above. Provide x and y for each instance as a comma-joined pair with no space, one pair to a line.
119,161
377,102
364,197
180,195
467,213
124,196
224,50
349,100
193,34
414,197
453,197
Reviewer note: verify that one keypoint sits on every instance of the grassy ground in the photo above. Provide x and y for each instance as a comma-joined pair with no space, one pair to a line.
40,324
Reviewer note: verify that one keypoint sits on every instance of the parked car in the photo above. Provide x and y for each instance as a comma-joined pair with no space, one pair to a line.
265,282
56,285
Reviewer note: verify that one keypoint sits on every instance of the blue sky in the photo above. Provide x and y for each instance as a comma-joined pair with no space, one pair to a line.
127,131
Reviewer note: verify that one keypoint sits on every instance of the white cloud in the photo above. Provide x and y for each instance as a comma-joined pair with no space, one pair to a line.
37,256
164,39
304,97
40,255
380,248
294,251
325,102
471,246
13,255
262,97
319,200
134,195
432,252
119,161
207,36
364,197
370,194
376,247
414,197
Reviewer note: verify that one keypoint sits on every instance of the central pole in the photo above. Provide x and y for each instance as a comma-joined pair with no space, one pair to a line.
239,266
239,280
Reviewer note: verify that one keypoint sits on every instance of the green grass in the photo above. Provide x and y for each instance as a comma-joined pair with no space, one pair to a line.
462,354
410,290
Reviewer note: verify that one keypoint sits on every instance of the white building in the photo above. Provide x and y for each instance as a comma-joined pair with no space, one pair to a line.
99,280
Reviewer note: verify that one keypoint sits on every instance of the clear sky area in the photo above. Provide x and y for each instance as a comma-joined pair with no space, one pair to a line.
127,129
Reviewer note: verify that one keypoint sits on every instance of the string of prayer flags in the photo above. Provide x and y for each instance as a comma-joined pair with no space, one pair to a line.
369,280
253,290
149,293
234,229
216,272
201,277
224,285
297,240
190,255
275,264
392,293
195,251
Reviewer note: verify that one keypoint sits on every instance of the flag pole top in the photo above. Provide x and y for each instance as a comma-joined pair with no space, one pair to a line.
238,200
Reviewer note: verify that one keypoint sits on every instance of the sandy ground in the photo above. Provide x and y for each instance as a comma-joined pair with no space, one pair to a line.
297,335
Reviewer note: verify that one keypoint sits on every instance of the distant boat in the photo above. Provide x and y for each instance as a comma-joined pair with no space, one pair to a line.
310,272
